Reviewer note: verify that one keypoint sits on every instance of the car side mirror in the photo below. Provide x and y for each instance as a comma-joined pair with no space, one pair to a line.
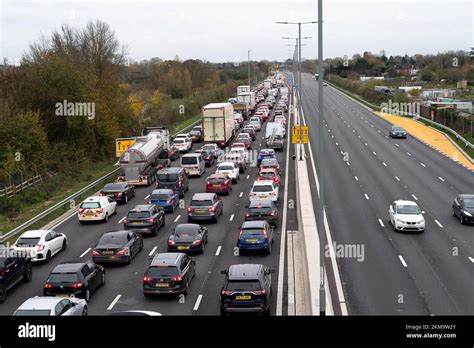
422,211
224,271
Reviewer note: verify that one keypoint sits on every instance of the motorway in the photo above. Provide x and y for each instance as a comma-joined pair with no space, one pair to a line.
123,288
431,273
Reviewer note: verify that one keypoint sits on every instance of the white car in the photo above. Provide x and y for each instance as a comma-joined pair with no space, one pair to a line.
406,216
256,124
183,144
97,208
229,168
264,189
41,245
242,151
237,159
52,306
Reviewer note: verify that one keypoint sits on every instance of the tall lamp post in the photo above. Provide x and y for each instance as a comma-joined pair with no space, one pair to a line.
248,65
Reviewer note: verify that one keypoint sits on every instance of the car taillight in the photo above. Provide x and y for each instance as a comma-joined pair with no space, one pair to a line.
226,182
121,252
265,235
259,292
211,209
77,285
168,200
240,233
118,194
153,220
81,211
208,183
247,215
95,252
227,292
272,193
99,210
102,194
272,214
125,221
190,210
147,279
197,242
177,279
40,247
47,286
170,242
252,193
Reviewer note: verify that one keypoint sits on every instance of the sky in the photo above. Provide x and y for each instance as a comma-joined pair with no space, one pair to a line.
223,31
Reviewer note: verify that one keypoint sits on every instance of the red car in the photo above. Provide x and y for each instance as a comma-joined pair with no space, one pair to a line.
173,153
239,144
219,183
247,141
261,115
269,174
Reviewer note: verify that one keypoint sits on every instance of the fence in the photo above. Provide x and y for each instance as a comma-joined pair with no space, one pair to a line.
12,190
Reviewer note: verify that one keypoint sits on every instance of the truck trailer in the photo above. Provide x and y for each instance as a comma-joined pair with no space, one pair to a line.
218,123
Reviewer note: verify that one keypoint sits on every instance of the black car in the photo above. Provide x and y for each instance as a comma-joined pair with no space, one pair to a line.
397,132
197,134
174,178
145,218
169,273
262,210
208,157
14,268
188,237
76,278
205,206
118,191
117,247
247,288
463,208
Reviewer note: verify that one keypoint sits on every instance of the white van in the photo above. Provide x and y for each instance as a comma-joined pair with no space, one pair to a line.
273,129
193,164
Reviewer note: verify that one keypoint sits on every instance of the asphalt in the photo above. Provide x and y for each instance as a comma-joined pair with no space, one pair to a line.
123,288
439,274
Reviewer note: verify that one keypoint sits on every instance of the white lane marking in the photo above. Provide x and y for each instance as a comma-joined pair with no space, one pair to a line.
437,222
348,163
332,136
381,223
241,193
146,197
366,196
471,258
440,178
114,302
337,144
198,302
416,198
355,177
358,136
409,154
422,164
153,250
177,218
398,179
218,250
375,153
85,252
385,164
231,217
366,144
402,260
248,176
121,220
397,145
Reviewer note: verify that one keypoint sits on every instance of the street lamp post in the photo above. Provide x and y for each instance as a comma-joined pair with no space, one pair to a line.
248,65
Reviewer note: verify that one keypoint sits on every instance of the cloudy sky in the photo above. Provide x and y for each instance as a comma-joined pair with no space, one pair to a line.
224,30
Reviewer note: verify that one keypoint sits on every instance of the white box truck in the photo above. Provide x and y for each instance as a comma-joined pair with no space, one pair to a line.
247,98
243,89
218,123
267,84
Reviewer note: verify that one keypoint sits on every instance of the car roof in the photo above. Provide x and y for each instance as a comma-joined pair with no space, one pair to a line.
142,207
41,302
166,259
262,182
187,227
117,233
170,170
34,233
254,224
270,160
216,175
268,170
71,266
93,199
244,271
158,191
267,150
260,202
226,164
191,154
466,195
403,202
203,196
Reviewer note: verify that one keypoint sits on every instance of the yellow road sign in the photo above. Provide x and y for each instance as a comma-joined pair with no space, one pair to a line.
295,134
122,145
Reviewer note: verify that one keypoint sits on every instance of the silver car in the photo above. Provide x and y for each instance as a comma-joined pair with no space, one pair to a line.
52,306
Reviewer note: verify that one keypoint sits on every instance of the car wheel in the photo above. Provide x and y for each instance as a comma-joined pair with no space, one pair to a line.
102,279
3,294
141,246
64,247
106,217
202,247
269,249
126,199
461,219
163,223
129,260
87,296
28,273
48,256
84,311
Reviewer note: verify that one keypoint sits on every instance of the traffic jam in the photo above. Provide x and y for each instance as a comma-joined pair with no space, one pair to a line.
214,192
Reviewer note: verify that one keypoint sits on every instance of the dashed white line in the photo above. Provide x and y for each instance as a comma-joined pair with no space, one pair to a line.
397,145
85,252
422,164
385,164
471,258
348,163
366,144
337,144
375,153
398,179
438,223
241,193
121,220
198,302
153,250
218,250
114,302
146,197
409,154
231,217
355,177
248,176
177,218
381,223
416,198
402,260
366,196
440,178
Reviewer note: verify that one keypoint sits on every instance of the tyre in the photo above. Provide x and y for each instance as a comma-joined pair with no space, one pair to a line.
202,248
106,217
87,295
84,311
3,294
125,199
461,219
48,256
64,247
269,249
163,223
141,246
28,273
102,279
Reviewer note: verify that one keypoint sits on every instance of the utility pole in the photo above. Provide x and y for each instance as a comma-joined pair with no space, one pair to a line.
248,65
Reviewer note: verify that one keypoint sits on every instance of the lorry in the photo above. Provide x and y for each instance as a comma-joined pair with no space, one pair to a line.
218,123
284,90
243,109
142,160
267,84
243,89
247,98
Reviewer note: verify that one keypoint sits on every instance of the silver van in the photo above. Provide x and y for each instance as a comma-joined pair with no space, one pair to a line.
193,164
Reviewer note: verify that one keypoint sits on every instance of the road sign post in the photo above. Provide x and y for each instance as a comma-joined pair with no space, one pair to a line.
122,145
299,135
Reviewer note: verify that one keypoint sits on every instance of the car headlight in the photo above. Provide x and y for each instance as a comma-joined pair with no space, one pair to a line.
400,221
421,222
467,213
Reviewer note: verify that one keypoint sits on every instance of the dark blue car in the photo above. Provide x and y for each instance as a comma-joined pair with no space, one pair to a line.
265,153
255,236
165,198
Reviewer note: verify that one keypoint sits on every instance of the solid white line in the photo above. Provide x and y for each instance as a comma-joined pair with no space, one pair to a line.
198,302
231,217
424,165
218,250
398,179
385,164
114,302
366,197
177,218
121,220
414,197
85,252
440,178
381,223
241,193
471,258
437,222
146,198
355,177
153,250
402,260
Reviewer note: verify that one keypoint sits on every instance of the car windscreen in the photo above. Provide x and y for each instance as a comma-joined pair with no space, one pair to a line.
243,285
262,210
262,188
408,209
216,180
113,187
252,232
63,278
27,241
159,196
186,232
113,239
33,312
90,205
178,141
167,177
158,272
225,168
189,160
138,214
469,203
204,203
398,129
208,148
267,175
269,162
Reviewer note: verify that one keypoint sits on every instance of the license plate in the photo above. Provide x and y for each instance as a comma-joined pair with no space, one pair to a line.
109,252
182,247
138,222
217,186
243,297
253,240
200,211
263,197
162,285
63,295
110,195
